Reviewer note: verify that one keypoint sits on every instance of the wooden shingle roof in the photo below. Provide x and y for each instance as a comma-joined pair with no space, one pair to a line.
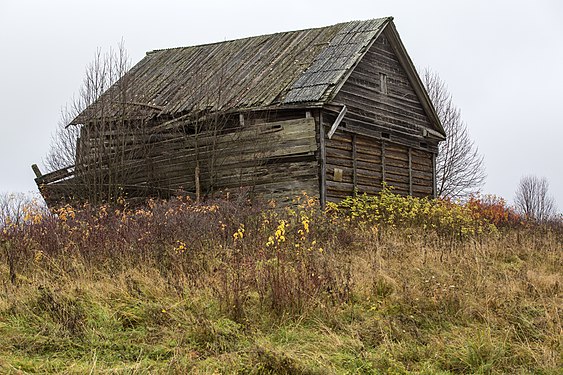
265,71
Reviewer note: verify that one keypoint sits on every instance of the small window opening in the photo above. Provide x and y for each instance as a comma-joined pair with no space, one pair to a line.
423,144
386,135
383,83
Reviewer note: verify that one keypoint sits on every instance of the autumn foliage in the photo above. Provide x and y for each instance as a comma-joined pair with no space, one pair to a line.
383,284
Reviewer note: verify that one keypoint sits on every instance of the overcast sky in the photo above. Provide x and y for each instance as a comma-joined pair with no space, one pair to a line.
502,61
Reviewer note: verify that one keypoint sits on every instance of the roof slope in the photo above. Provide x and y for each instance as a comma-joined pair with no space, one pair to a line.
257,72
328,68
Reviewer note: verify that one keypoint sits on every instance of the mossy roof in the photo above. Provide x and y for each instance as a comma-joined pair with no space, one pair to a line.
267,71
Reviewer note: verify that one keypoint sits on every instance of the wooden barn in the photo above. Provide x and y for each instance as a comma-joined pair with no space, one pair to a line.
329,111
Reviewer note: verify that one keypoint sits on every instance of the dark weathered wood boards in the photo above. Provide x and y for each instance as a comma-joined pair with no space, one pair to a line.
275,159
331,111
382,138
367,163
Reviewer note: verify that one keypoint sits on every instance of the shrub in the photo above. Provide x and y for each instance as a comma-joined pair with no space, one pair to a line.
445,218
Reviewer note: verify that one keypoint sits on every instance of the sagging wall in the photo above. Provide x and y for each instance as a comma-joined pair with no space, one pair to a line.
274,158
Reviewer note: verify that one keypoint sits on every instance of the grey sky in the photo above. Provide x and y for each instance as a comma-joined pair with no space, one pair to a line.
502,61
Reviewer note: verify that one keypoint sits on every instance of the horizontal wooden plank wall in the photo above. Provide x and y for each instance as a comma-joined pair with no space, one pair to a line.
366,162
276,160
392,108
381,138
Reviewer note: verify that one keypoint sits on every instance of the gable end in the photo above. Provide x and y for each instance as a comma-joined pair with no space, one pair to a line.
331,67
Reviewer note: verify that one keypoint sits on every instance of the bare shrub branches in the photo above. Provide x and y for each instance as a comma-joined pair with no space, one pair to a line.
12,207
104,70
533,200
63,142
103,90
121,147
459,166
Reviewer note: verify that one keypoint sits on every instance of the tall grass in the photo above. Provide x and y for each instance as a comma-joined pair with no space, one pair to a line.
381,284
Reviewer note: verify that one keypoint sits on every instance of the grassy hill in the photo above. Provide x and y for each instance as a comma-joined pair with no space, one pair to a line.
384,285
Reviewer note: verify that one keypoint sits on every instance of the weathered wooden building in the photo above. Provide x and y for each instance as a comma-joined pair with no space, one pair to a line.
328,111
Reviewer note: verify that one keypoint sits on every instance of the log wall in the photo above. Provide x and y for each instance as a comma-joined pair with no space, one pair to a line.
357,163
271,159
391,107
382,137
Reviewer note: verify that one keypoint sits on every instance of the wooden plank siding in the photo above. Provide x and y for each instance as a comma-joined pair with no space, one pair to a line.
381,137
330,111
367,162
275,160
398,112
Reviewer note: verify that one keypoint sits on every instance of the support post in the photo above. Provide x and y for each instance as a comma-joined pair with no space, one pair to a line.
354,165
197,184
434,187
382,162
410,171
323,160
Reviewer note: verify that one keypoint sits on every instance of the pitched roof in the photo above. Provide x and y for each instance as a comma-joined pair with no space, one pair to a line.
258,72
306,66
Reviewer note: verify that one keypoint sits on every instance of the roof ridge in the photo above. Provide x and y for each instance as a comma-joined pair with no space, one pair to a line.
259,71
390,18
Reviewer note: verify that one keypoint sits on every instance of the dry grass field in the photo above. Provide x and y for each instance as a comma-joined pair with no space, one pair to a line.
383,285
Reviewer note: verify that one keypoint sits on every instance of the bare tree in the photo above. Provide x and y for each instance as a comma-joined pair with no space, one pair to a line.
533,200
104,70
12,208
460,170
62,150
120,147
15,206
85,125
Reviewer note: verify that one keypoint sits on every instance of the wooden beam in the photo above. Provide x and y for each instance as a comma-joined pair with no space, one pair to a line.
36,170
322,161
410,171
434,187
55,176
241,119
382,162
337,121
354,164
197,183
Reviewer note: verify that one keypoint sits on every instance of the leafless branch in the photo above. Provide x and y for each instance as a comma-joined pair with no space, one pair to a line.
533,200
460,170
